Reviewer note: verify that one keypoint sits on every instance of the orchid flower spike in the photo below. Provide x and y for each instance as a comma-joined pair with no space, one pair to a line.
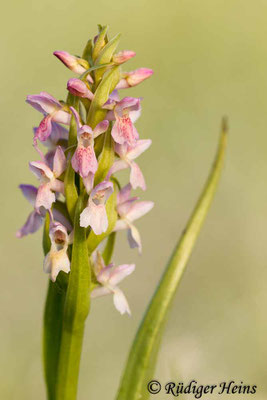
57,258
95,214
125,112
52,111
75,64
127,155
123,56
48,179
79,88
133,78
129,210
108,277
84,159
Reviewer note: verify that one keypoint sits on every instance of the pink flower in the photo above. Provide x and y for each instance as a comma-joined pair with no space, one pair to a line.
125,112
84,159
133,78
52,110
58,135
36,217
75,64
129,210
48,179
57,258
127,155
95,214
108,277
79,88
123,56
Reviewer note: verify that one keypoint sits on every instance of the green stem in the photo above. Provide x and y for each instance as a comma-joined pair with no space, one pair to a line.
143,354
76,309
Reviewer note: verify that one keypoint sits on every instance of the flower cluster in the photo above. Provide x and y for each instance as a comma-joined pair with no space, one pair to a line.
89,138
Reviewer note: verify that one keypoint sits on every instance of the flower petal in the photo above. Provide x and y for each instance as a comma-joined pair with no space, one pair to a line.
123,131
117,166
120,302
124,194
96,217
121,272
139,209
106,187
101,127
29,192
139,148
120,225
89,182
45,198
134,238
44,129
100,291
40,169
33,223
56,261
136,177
43,102
60,162
84,161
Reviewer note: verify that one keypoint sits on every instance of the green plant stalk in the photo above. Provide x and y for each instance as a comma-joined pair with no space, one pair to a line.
76,309
142,358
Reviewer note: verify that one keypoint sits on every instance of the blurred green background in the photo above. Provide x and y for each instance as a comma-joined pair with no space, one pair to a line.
209,59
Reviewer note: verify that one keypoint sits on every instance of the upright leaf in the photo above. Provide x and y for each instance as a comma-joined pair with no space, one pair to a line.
69,180
53,315
106,55
107,85
100,42
106,158
142,358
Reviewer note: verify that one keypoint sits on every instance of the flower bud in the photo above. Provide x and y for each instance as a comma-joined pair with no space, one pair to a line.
135,77
75,64
79,88
123,56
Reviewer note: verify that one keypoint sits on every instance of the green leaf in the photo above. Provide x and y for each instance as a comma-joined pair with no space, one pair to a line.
106,158
93,240
142,358
108,251
71,193
110,80
53,315
87,53
70,190
76,309
106,55
100,43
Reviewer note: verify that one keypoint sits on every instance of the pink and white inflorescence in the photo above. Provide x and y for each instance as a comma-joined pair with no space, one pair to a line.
49,198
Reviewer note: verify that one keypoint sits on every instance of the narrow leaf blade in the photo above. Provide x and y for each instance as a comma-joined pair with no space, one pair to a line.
107,85
142,358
